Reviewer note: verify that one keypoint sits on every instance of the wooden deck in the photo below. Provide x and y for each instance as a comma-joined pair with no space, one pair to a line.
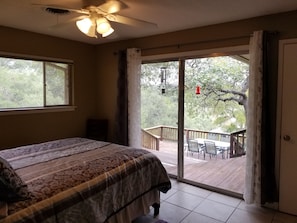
223,174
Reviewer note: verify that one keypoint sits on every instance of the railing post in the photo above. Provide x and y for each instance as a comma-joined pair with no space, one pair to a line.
186,134
231,146
237,143
158,144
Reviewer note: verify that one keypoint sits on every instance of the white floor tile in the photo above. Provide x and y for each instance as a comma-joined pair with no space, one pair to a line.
195,190
172,213
185,200
165,196
185,203
195,217
224,199
215,210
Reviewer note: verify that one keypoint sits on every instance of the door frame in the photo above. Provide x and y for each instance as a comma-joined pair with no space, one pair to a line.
182,56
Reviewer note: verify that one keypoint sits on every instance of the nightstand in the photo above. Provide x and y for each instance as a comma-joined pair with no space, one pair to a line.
97,129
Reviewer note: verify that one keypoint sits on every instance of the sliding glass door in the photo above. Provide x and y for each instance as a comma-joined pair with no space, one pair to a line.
189,103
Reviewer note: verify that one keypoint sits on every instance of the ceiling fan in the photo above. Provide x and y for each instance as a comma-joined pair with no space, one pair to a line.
96,19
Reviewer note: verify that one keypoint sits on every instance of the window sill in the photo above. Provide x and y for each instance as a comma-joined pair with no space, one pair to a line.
21,111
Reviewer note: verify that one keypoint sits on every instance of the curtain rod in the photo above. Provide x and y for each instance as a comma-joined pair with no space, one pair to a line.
196,42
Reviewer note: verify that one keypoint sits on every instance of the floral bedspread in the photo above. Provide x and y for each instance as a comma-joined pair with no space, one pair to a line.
68,178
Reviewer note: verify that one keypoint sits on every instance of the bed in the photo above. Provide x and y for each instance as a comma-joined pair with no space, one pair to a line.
79,180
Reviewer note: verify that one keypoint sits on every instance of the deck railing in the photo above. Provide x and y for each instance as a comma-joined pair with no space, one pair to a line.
238,143
151,138
170,133
164,132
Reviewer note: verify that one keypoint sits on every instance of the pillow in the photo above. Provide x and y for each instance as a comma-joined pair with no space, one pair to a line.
12,187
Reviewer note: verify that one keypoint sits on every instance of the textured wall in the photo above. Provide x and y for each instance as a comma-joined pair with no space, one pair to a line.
30,128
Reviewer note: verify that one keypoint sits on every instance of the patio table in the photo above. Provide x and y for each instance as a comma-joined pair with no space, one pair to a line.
223,146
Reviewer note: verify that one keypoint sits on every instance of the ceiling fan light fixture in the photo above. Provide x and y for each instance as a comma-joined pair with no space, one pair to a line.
110,31
103,25
87,26
96,18
92,31
84,25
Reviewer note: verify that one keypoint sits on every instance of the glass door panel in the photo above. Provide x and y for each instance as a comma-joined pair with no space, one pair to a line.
215,99
159,111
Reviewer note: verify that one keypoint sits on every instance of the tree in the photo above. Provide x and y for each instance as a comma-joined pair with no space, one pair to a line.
22,83
222,102
158,108
224,84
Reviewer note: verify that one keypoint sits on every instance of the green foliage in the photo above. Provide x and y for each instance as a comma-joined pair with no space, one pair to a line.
219,107
158,108
56,84
220,80
162,110
22,83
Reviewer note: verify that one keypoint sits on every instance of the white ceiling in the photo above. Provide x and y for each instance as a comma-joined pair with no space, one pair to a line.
169,15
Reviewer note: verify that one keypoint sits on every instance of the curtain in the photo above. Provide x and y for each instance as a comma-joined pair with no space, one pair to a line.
269,191
134,95
128,116
121,120
260,182
252,190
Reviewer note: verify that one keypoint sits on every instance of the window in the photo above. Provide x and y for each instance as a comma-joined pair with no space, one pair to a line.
34,84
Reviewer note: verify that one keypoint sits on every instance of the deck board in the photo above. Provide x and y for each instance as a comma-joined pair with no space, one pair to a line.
226,174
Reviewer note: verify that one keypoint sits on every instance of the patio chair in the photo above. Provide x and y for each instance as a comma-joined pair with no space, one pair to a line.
194,147
211,149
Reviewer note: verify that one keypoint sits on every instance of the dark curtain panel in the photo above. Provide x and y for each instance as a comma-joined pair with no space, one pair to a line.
269,191
121,123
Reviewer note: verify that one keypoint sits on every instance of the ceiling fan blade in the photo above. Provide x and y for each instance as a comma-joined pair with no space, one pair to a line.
62,24
61,8
112,6
130,21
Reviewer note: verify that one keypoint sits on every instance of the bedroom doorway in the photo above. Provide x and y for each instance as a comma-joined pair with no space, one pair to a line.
198,114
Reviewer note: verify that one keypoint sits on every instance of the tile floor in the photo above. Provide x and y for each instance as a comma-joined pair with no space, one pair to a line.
189,204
